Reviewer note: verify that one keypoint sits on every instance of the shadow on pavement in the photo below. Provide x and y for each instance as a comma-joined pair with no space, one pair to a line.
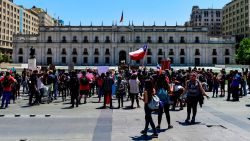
67,107
187,124
25,106
248,105
66,103
142,138
128,108
96,102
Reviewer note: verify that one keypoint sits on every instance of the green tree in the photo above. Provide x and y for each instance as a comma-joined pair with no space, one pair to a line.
243,52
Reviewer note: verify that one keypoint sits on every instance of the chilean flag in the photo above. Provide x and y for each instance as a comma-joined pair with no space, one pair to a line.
139,54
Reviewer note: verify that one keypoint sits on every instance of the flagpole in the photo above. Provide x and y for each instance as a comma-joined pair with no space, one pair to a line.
145,56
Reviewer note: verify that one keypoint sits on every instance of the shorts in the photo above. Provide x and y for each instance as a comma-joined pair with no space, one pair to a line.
84,92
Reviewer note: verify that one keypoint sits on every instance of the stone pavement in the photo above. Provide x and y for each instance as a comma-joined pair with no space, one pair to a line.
218,120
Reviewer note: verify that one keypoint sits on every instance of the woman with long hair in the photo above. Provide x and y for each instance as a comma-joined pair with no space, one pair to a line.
162,85
147,97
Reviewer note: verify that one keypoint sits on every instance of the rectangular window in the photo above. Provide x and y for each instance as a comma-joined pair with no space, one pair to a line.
214,60
74,60
107,60
49,60
182,60
96,60
85,60
20,59
227,60
64,60
172,59
149,61
159,59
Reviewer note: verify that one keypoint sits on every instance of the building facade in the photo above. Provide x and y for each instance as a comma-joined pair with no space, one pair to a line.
236,18
15,20
211,18
109,45
44,18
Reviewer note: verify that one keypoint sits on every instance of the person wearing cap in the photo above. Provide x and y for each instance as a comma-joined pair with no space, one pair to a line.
6,81
194,92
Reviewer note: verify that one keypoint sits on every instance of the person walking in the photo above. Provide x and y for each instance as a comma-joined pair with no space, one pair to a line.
162,90
194,92
147,97
6,82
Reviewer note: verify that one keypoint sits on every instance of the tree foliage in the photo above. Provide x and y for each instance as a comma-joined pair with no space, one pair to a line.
243,52
4,58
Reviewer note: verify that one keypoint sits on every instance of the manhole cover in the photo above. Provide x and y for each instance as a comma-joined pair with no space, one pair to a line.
221,126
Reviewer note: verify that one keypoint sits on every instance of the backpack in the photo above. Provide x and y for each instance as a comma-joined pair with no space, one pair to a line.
74,82
154,103
6,82
163,95
84,81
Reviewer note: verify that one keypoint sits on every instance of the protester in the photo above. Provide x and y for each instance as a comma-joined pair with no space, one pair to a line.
121,90
134,90
74,89
194,91
6,82
147,97
84,87
162,90
107,87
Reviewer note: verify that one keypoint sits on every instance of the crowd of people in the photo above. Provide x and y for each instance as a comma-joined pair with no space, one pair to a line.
173,87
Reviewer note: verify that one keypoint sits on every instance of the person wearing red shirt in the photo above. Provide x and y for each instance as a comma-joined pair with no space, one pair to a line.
84,87
6,81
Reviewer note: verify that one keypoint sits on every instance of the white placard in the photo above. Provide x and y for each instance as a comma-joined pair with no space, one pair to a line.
102,69
32,64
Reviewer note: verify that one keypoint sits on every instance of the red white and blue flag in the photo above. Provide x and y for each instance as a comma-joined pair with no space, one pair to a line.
139,54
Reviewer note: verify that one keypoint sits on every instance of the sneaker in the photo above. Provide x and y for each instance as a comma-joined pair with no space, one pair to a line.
155,135
143,132
187,121
170,126
158,127
192,121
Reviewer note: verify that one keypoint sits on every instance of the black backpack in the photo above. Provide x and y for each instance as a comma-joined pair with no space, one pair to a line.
84,81
74,82
6,82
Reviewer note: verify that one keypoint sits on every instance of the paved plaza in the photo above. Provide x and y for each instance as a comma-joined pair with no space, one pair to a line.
218,120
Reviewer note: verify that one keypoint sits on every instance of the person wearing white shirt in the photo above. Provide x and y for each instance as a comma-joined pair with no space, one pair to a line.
134,90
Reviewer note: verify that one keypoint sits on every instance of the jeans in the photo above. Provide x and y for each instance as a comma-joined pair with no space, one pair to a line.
148,119
120,99
215,90
6,98
165,107
192,102
133,97
243,86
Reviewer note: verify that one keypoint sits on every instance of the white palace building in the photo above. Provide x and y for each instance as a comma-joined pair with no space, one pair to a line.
109,45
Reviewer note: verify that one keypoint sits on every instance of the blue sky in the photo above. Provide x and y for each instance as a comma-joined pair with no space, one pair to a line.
96,11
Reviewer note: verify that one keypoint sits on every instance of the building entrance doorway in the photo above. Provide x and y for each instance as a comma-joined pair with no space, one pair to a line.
122,57
197,61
